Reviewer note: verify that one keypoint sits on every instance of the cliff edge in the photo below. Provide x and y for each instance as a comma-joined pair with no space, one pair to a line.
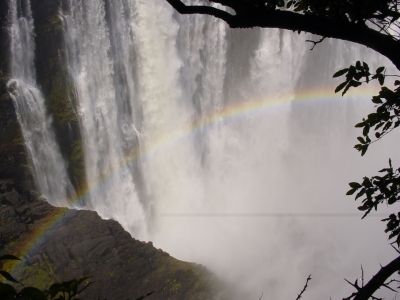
59,244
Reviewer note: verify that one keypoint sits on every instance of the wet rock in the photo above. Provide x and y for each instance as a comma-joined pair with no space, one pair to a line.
59,244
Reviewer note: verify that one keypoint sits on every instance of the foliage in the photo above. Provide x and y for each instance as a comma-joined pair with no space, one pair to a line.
377,190
380,14
386,118
385,187
68,290
356,11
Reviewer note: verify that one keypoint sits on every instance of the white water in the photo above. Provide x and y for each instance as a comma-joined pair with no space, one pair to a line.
108,127
47,163
171,151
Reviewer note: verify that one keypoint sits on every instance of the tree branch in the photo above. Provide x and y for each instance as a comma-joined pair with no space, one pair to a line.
184,9
315,43
378,280
304,288
251,16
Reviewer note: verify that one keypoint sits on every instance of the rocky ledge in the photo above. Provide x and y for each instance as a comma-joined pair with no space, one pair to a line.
59,244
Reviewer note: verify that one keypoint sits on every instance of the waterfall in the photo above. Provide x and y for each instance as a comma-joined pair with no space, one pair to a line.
223,146
46,160
105,89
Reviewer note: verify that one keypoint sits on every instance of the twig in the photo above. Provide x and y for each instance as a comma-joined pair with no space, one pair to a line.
362,276
392,281
395,249
304,288
354,285
389,288
315,43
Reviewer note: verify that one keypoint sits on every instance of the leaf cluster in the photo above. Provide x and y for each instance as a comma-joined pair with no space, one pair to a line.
351,10
382,15
385,119
68,290
357,74
387,103
377,190
385,187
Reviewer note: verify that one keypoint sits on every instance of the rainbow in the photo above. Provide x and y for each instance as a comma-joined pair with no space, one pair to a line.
31,243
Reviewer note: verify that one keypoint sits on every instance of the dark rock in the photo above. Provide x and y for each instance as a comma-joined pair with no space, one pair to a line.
66,244
57,86
14,161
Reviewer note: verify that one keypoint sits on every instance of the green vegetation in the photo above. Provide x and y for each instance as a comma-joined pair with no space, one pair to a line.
69,290
385,187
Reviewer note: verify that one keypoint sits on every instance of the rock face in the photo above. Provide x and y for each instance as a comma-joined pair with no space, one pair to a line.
13,157
56,85
58,244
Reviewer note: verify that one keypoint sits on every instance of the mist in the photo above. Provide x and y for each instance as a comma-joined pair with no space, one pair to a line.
268,205
223,147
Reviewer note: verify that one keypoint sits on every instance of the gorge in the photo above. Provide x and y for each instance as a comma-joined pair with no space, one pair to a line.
223,147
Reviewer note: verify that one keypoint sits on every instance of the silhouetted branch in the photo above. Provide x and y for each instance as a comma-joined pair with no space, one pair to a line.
377,281
304,288
395,249
389,288
362,276
315,43
202,10
392,281
257,16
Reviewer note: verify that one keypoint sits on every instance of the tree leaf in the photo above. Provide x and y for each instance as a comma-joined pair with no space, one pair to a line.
360,193
8,276
340,86
381,79
361,140
364,150
346,89
340,72
380,70
9,257
354,185
366,130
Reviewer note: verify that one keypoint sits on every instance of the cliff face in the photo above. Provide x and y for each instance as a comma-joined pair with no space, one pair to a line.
56,85
13,157
58,244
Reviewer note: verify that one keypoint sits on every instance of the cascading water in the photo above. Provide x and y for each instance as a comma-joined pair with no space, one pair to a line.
47,163
110,135
196,137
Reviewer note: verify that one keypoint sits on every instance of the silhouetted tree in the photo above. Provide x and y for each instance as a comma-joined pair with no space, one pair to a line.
372,23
